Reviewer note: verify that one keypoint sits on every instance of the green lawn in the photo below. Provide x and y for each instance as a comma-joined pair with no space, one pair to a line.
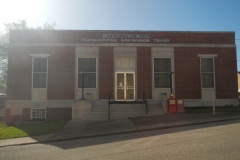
25,130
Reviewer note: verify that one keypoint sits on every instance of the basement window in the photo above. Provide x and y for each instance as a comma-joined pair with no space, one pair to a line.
38,114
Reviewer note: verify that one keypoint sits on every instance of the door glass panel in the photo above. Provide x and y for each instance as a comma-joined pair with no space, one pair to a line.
120,86
129,86
125,86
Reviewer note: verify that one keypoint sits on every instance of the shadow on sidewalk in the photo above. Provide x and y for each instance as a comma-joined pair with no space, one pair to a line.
98,140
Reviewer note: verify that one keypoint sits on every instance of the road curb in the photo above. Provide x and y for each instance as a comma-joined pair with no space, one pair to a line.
138,130
125,132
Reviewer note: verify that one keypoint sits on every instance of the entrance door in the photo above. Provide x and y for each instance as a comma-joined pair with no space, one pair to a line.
125,86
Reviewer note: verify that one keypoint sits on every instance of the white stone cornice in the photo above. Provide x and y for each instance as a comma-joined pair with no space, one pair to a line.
125,44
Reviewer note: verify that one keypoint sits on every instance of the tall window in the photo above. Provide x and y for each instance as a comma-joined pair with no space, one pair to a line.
207,72
39,72
87,70
162,72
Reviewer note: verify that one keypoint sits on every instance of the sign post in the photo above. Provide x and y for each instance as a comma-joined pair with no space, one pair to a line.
214,111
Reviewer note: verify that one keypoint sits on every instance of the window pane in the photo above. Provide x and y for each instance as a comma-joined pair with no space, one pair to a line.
39,80
162,80
162,72
39,72
38,114
44,113
34,113
162,64
89,80
207,64
86,64
40,65
207,72
207,80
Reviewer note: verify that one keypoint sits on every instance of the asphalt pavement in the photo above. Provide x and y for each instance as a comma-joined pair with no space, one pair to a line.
85,128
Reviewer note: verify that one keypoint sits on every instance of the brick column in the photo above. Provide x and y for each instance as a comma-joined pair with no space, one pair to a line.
144,72
106,75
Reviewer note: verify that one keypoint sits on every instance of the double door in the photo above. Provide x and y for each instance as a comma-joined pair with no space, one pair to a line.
125,86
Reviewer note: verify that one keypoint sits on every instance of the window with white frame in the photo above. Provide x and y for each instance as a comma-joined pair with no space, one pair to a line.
207,72
38,114
162,72
87,72
40,72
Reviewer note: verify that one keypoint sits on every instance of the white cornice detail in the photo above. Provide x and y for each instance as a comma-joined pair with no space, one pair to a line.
123,45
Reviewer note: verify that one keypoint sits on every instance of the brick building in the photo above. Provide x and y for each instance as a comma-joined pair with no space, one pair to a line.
46,69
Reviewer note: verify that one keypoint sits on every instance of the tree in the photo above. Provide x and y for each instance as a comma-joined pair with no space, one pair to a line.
4,43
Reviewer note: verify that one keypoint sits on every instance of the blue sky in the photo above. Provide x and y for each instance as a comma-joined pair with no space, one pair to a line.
163,15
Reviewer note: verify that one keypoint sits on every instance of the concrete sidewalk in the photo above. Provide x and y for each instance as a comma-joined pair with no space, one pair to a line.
81,129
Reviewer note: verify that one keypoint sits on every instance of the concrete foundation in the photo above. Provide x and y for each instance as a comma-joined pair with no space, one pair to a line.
81,109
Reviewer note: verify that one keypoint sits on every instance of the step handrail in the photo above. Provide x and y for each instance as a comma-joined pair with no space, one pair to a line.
109,99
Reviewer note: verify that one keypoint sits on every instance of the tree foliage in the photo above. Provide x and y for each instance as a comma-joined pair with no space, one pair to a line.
4,44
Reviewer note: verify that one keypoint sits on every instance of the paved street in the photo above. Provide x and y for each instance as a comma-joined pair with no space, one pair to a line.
213,141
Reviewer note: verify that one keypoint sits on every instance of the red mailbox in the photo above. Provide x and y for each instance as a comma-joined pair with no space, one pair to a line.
171,104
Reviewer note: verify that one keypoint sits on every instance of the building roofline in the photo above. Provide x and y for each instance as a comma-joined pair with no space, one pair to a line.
75,30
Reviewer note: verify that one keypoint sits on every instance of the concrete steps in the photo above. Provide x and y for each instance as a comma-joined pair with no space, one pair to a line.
99,110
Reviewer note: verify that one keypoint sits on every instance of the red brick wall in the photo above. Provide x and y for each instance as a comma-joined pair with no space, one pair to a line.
61,73
26,114
61,78
144,72
187,73
11,119
226,73
106,74
60,36
52,114
200,37
59,113
19,74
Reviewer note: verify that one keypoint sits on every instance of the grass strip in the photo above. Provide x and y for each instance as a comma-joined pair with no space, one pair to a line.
25,130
